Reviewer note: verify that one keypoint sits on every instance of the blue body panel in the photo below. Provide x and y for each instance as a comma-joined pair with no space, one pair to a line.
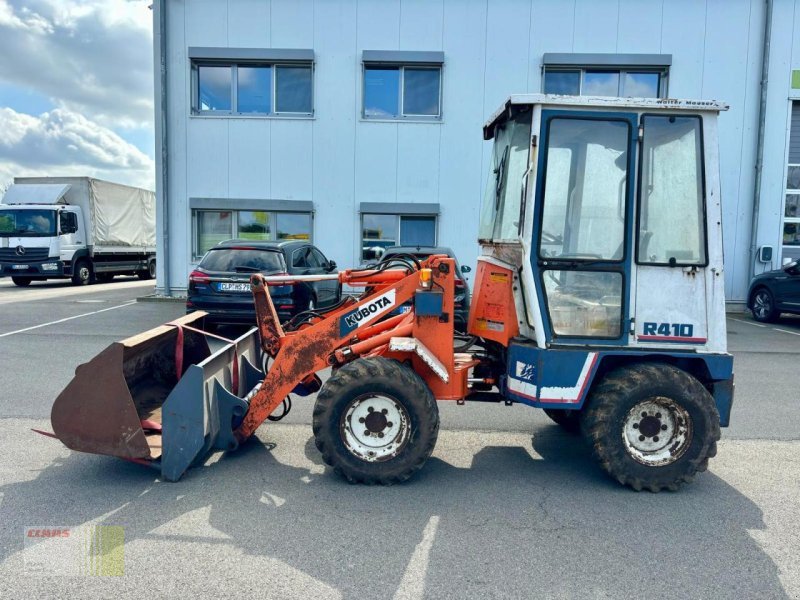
556,378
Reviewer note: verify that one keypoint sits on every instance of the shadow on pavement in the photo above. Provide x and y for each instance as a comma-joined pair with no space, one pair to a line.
510,523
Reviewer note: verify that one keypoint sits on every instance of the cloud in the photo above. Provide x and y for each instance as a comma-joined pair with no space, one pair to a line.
94,57
62,142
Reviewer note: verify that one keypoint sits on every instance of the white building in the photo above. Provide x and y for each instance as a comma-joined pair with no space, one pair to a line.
357,123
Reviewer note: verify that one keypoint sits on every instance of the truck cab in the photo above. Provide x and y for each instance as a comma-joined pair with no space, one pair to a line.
75,227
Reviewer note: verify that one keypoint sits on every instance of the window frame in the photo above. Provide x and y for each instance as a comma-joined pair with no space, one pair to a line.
638,199
401,67
234,65
621,70
398,228
789,220
272,219
626,229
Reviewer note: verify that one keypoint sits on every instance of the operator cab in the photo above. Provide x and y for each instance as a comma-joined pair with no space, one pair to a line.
607,212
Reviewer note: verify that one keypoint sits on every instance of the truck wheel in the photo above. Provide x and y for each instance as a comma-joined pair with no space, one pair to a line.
82,272
21,281
375,421
568,419
651,426
148,273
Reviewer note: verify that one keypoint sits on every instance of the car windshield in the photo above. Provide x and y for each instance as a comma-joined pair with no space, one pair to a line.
27,223
243,260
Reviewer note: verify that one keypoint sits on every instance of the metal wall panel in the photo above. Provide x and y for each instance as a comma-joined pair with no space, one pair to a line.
338,160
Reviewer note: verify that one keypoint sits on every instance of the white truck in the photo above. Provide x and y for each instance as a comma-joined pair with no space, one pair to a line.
76,227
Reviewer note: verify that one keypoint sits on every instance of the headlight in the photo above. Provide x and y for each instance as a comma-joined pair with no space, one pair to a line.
50,267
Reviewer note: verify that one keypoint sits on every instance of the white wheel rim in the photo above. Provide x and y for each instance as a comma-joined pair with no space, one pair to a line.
657,431
375,428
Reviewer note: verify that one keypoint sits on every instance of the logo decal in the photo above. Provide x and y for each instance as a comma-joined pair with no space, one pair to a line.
20,250
366,313
526,371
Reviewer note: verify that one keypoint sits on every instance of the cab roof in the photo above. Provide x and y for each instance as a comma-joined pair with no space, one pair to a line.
556,100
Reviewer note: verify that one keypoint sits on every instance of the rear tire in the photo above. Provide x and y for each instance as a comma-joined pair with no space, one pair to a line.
569,420
375,421
82,272
764,306
651,426
21,281
148,273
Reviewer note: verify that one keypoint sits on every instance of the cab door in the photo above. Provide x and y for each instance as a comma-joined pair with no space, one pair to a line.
671,255
581,260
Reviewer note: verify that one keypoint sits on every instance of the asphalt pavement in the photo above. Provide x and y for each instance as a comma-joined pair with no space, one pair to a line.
508,506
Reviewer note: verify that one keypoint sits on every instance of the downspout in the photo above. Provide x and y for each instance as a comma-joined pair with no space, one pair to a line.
162,50
762,117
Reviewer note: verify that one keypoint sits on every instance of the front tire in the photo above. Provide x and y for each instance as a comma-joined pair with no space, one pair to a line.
375,421
21,281
651,426
764,306
82,273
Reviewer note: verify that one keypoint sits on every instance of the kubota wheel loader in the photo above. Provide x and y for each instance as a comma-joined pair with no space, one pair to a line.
599,297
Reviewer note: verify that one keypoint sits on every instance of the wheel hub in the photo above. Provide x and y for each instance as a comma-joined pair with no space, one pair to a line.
657,431
375,427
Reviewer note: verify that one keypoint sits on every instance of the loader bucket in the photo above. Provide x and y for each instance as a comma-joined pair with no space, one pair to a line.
162,398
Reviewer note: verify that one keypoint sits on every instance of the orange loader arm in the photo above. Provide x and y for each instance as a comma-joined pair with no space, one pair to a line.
420,336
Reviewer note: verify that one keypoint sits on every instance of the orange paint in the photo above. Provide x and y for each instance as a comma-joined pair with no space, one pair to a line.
492,314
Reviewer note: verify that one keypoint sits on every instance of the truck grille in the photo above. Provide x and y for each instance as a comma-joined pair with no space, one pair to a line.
31,255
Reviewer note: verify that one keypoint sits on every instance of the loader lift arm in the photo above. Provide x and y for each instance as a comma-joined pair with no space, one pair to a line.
423,335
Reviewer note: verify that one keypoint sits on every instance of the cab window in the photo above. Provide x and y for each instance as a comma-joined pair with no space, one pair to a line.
671,230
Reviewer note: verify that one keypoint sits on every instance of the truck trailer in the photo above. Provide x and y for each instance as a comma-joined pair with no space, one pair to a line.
76,228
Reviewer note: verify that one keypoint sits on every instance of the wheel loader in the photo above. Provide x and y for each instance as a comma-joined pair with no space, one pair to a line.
598,297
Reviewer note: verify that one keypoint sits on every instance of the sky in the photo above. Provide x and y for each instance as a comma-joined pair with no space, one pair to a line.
76,90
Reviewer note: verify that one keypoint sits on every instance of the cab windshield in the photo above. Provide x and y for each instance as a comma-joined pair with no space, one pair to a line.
501,213
27,223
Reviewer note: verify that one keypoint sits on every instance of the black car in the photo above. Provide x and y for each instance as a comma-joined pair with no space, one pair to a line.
220,285
774,292
462,289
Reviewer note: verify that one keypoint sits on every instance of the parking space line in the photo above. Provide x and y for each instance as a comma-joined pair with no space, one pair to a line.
747,322
2,335
786,331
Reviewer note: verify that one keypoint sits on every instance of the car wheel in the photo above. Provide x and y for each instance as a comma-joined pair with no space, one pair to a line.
764,306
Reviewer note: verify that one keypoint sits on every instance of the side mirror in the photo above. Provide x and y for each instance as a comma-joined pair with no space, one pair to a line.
466,268
331,265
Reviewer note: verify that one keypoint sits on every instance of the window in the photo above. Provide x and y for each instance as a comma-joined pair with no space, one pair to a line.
502,203
252,88
791,210
380,231
586,175
215,226
626,83
671,229
584,303
402,91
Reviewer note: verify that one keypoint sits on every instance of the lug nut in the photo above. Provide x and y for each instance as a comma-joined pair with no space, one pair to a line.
663,428
384,411
636,426
655,438
641,438
388,423
658,415
370,409
644,414
367,432
380,434
361,419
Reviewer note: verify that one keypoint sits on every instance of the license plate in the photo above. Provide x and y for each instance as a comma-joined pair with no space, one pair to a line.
234,287
19,267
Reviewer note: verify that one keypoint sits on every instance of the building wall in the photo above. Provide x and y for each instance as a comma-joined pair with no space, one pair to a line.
492,49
